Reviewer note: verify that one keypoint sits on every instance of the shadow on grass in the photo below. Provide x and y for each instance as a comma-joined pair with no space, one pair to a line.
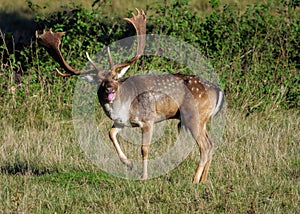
24,168
53,175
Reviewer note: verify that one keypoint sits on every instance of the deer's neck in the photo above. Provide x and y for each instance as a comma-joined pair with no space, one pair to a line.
118,110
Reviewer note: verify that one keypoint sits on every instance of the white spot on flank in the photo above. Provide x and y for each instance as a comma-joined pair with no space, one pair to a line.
207,85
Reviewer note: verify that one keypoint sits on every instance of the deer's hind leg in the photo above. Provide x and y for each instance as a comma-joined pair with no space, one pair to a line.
210,149
196,124
206,147
206,151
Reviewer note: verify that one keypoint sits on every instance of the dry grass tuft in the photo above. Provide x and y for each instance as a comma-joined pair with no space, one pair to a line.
255,169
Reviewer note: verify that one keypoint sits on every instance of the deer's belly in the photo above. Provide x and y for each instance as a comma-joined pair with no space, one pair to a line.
153,107
146,107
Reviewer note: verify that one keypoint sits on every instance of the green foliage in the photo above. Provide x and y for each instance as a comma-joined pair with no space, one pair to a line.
255,51
31,73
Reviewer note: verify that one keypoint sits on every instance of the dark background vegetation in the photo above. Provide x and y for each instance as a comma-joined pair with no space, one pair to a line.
254,50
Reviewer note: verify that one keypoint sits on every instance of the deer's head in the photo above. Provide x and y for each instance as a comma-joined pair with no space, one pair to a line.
107,80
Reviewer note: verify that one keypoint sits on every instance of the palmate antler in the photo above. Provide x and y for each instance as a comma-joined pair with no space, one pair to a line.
51,42
139,23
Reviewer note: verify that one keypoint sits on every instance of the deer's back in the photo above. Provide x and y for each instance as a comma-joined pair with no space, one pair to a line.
159,97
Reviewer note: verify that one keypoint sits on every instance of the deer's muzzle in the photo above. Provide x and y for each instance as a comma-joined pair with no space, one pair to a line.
111,94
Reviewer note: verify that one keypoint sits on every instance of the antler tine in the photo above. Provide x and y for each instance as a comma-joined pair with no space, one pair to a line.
62,74
140,27
91,61
139,23
110,58
51,42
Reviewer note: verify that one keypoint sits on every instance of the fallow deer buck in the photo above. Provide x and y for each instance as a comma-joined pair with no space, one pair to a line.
143,100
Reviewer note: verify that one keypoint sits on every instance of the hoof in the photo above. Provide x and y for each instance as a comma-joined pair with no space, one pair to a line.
129,165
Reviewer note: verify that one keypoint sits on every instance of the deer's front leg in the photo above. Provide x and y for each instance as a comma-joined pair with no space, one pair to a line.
113,136
147,131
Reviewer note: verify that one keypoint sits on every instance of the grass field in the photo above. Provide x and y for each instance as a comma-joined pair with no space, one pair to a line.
255,168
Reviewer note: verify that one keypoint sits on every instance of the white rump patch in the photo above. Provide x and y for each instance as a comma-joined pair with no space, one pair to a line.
219,103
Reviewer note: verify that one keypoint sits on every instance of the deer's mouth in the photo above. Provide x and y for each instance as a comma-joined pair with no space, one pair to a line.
110,93
111,96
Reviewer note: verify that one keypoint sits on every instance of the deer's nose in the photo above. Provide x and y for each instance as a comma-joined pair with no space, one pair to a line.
109,90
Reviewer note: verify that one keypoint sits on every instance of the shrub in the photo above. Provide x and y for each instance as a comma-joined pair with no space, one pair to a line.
254,51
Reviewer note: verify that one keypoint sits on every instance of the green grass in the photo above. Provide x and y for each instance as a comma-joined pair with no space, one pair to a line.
255,169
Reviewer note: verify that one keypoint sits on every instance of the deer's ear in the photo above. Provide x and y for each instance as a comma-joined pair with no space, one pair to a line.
89,78
122,72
